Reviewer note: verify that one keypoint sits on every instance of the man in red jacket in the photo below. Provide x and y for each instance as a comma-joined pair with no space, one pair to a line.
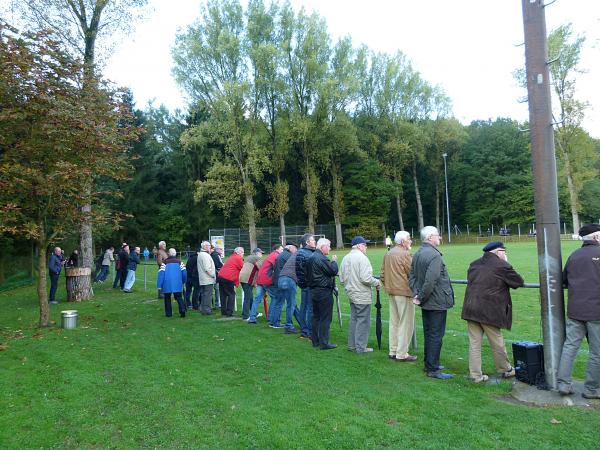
229,279
264,282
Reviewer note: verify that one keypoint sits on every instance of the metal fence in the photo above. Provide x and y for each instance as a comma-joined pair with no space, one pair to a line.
266,237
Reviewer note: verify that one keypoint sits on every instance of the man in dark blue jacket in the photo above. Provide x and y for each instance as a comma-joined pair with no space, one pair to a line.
54,268
134,260
306,310
320,277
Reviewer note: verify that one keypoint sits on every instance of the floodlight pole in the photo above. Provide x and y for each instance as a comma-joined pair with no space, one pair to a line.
445,155
545,186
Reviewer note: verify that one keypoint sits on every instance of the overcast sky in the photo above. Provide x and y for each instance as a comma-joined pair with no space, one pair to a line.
469,47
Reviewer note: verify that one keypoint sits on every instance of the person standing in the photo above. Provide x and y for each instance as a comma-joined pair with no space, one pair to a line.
73,260
248,279
134,260
206,277
217,256
488,308
395,271
433,292
320,277
284,277
192,287
307,248
171,278
264,281
356,274
54,268
229,279
107,259
121,269
161,256
582,277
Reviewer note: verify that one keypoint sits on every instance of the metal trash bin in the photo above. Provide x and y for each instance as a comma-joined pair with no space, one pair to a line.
69,319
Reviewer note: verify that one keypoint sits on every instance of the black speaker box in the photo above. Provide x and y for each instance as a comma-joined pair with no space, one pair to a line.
529,361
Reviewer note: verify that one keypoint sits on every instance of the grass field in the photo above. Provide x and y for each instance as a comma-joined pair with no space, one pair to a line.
128,377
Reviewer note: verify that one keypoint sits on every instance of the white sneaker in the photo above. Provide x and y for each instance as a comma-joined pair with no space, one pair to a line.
259,315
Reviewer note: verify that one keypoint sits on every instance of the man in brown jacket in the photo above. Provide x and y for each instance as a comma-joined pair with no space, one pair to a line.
488,308
394,275
161,256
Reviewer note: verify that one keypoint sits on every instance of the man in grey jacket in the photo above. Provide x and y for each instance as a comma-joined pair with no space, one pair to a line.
356,274
430,284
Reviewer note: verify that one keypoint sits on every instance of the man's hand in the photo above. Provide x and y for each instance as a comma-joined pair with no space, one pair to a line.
334,258
416,300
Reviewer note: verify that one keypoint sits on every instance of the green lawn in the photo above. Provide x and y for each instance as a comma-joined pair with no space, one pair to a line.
128,377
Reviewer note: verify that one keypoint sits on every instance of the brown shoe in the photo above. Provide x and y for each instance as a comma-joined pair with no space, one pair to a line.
409,358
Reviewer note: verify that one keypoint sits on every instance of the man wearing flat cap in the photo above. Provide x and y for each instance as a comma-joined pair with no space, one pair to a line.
488,308
356,274
582,277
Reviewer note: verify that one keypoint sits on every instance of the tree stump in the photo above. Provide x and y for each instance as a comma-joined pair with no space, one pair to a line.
78,283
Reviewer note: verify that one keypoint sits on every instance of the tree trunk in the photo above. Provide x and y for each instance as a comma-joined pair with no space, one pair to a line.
310,202
338,204
572,193
384,233
399,207
418,197
78,283
250,213
339,240
41,285
282,227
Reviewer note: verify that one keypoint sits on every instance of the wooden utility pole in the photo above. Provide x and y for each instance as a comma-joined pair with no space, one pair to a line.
545,186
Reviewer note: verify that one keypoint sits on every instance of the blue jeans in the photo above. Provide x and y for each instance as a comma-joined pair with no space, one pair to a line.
287,289
275,306
103,274
434,328
260,293
306,312
129,280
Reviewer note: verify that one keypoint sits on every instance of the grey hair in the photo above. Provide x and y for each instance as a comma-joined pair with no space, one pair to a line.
162,244
204,244
172,252
401,236
238,250
591,236
322,242
427,232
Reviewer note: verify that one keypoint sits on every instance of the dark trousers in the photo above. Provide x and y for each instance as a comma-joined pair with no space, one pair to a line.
53,286
434,328
248,297
180,303
192,290
322,300
227,294
117,280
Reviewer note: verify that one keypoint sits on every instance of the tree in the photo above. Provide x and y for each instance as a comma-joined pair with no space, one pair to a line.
56,132
445,136
576,160
79,25
211,65
306,50
492,174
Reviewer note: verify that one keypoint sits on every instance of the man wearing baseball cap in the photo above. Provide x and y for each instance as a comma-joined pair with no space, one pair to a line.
356,274
582,277
488,308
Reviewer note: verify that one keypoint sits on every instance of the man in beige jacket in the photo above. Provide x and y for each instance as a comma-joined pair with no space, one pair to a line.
207,277
356,274
394,276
